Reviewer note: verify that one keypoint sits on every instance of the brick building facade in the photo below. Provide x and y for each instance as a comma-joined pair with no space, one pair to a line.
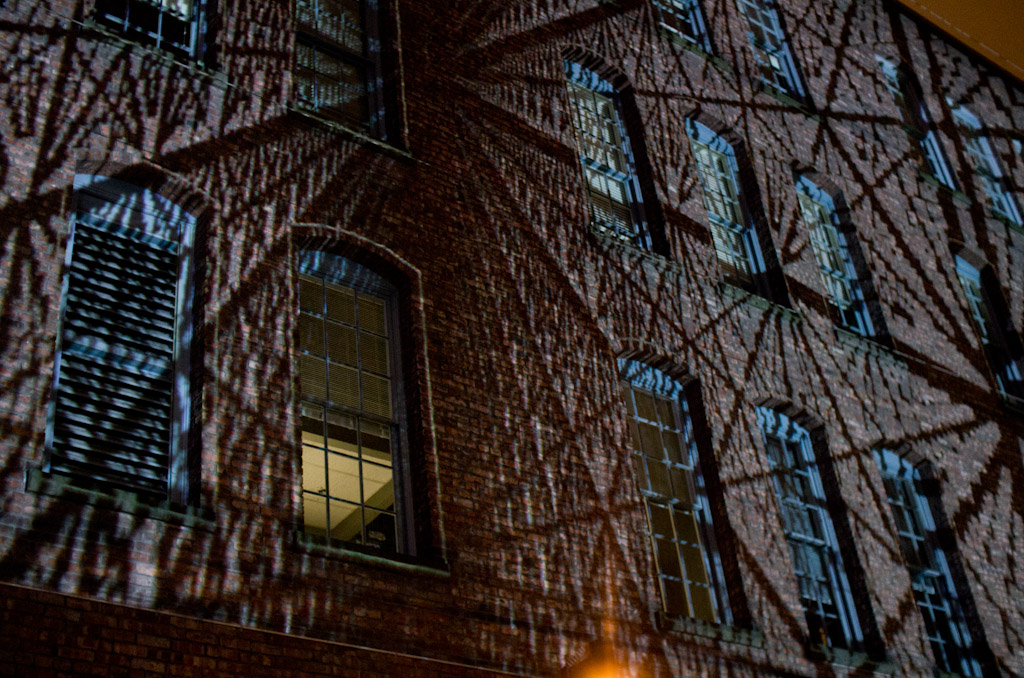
486,339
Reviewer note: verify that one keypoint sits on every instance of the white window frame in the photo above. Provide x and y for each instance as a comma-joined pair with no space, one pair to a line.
771,47
986,164
685,20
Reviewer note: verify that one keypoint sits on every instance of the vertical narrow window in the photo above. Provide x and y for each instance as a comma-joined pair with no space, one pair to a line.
683,19
928,566
838,274
609,167
123,394
338,62
987,167
771,48
732,231
810,533
175,26
999,338
917,121
675,496
352,431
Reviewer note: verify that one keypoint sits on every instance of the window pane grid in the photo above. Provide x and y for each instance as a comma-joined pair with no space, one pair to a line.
991,177
725,212
684,18
172,25
834,262
931,580
675,502
808,529
348,430
772,48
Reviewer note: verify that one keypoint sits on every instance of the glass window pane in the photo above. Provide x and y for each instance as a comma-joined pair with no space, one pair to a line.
371,315
311,334
341,304
341,344
661,521
312,377
668,558
314,515
343,477
344,386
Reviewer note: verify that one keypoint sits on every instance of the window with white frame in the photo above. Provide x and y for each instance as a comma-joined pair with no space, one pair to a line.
175,26
917,121
999,338
609,167
987,167
808,527
842,285
732,232
771,47
350,400
675,495
683,19
338,72
124,394
928,566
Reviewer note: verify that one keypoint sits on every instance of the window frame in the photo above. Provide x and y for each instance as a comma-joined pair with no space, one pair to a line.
987,167
93,195
999,340
675,15
772,49
827,235
363,280
368,61
197,50
777,426
637,377
927,561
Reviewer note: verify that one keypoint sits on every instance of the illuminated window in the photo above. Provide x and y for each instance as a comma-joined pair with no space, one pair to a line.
616,208
917,121
124,394
928,566
338,62
349,381
987,167
771,48
830,249
675,495
1000,340
683,19
806,521
735,239
175,26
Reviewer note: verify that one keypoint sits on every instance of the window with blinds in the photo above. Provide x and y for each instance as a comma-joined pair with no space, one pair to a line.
999,338
842,286
175,26
338,62
736,245
679,520
807,524
121,408
928,566
348,379
608,165
771,47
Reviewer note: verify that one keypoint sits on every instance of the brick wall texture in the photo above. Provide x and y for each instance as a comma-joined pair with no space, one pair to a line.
530,528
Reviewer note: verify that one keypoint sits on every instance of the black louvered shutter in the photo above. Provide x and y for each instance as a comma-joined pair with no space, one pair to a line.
113,413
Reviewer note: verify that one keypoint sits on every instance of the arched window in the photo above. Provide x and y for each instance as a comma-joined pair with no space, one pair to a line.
928,565
998,336
354,478
838,273
810,533
126,388
987,167
608,158
675,494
